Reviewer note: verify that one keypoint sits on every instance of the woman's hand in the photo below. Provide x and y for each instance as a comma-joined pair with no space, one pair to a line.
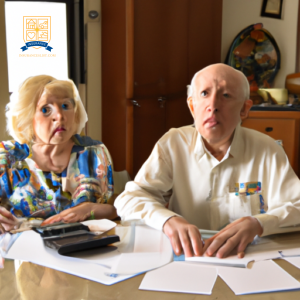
77,213
7,220
82,212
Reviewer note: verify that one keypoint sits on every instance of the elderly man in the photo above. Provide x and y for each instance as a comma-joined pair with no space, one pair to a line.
215,173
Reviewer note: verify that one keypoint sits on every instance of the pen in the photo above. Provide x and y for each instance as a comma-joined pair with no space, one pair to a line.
19,230
24,225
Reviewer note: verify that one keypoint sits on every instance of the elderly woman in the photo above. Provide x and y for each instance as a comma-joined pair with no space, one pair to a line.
49,169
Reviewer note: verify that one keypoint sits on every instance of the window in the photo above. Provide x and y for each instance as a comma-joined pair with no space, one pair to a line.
36,39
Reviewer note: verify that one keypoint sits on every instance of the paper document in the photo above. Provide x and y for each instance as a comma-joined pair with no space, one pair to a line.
100,226
6,241
232,261
290,252
264,276
181,277
294,261
274,246
141,249
30,247
260,249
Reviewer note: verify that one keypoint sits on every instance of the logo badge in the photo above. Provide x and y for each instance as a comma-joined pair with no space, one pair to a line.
36,32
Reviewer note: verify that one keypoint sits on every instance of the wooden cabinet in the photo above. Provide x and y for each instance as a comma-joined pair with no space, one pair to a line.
280,125
150,52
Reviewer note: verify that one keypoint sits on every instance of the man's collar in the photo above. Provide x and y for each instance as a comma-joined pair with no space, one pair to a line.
236,146
199,146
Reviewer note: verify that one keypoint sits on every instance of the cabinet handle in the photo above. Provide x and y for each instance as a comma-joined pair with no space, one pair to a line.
161,100
135,103
269,129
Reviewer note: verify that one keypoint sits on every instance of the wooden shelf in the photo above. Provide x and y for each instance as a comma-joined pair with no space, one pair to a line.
280,125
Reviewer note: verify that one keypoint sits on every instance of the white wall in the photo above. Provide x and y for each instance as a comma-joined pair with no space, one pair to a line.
4,95
238,14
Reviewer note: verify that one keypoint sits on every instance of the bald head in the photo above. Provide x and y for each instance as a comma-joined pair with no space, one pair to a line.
237,76
218,101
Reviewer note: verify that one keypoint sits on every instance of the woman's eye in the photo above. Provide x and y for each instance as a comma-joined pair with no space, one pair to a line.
65,106
226,95
204,93
45,110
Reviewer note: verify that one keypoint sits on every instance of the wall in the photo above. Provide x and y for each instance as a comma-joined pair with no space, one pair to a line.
93,87
93,69
238,14
4,95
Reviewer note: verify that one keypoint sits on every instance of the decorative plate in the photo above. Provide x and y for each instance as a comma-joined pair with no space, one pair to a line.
255,52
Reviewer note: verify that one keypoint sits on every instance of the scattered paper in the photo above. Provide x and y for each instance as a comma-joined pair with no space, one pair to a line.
133,263
100,226
290,252
264,276
271,247
28,241
261,253
151,250
181,277
294,261
141,249
232,261
260,249
117,262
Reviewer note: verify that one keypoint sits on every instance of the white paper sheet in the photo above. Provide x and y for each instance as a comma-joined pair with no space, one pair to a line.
293,260
100,226
232,261
290,252
264,276
141,249
276,242
261,252
30,247
260,249
271,247
133,263
253,253
181,277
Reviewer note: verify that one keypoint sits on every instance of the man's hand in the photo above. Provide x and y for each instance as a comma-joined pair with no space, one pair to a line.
234,238
183,236
7,220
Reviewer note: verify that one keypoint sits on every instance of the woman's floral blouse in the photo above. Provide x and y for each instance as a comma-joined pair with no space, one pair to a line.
30,192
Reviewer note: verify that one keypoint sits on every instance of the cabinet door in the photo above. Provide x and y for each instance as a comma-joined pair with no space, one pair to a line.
285,130
150,51
173,39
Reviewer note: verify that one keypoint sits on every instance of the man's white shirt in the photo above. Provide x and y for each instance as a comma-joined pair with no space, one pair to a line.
253,179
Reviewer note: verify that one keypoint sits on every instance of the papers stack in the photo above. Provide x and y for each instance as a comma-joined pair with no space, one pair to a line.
144,249
186,275
141,249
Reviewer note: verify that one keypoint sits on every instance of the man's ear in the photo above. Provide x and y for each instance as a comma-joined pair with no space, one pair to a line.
190,105
245,109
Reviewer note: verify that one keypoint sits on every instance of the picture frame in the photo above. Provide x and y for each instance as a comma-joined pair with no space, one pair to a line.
271,9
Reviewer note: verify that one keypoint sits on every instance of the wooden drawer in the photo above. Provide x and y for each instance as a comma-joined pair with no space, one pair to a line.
285,130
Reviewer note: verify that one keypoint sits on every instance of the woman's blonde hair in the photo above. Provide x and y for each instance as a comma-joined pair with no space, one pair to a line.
22,106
